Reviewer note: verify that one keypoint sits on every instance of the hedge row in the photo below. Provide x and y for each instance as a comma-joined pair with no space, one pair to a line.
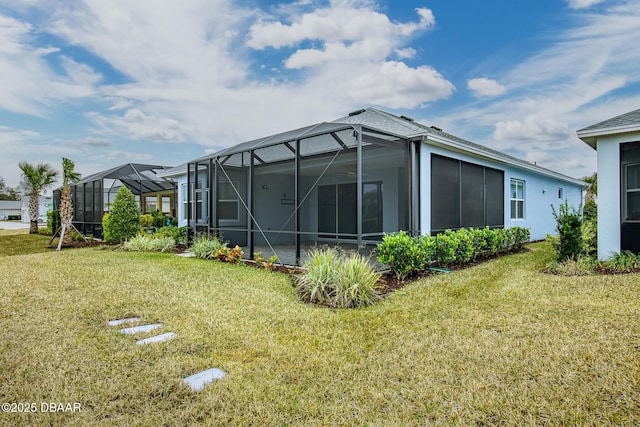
409,255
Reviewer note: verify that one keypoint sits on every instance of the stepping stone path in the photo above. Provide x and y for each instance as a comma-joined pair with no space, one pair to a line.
198,381
142,328
201,379
157,338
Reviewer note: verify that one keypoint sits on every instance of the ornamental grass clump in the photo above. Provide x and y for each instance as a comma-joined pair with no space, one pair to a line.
338,281
143,242
203,247
358,285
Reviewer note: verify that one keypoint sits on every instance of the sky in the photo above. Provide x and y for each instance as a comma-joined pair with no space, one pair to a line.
106,83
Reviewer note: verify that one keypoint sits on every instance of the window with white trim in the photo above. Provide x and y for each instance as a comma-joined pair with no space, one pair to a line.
228,205
185,200
632,193
517,199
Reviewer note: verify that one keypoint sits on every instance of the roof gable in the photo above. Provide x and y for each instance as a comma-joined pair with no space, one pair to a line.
627,122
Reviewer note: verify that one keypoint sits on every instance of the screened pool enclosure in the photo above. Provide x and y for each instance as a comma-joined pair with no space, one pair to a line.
93,195
334,183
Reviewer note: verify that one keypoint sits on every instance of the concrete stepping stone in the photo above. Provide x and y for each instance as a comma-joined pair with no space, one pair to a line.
157,338
201,379
119,322
141,328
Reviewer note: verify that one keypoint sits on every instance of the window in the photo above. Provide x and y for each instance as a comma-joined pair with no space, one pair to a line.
185,201
228,206
632,190
517,199
560,193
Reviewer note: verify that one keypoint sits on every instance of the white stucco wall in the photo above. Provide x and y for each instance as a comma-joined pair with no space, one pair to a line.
538,215
609,191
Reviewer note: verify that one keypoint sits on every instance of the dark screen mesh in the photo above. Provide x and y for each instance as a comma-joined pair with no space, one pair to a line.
472,191
465,195
445,193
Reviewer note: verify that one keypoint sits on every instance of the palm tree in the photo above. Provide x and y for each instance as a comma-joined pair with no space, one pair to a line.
37,179
592,190
69,176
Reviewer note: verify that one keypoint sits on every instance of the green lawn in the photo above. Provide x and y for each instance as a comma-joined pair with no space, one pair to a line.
495,344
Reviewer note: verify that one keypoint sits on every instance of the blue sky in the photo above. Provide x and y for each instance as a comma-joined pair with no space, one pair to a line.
157,81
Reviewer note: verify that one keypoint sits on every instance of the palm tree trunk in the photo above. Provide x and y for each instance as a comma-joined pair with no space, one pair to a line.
34,212
66,215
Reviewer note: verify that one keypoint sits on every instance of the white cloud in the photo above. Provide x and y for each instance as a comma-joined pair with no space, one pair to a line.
583,4
485,87
140,126
27,82
406,53
533,128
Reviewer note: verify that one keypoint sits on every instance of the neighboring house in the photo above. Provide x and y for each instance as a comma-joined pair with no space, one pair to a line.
617,141
9,208
353,179
46,204
94,194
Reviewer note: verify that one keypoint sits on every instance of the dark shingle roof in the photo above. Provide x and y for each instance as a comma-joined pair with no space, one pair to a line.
631,118
627,122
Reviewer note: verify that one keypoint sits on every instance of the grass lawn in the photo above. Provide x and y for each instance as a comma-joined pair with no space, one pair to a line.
495,344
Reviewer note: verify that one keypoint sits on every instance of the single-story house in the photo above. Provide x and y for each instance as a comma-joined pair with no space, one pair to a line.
617,142
9,208
355,178
45,205
94,194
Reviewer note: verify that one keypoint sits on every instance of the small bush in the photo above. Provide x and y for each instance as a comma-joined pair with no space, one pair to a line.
123,221
590,211
14,217
400,252
53,220
146,221
569,228
589,230
464,251
265,263
446,245
179,234
338,281
227,254
203,247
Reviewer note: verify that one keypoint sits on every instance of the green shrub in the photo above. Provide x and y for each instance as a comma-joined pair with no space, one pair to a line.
146,221
401,253
143,242
569,228
464,250
159,220
53,220
14,217
179,234
338,281
590,211
123,220
203,247
589,232
446,245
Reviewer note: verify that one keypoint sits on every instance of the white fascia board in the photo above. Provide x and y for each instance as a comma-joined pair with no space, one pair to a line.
590,135
463,148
